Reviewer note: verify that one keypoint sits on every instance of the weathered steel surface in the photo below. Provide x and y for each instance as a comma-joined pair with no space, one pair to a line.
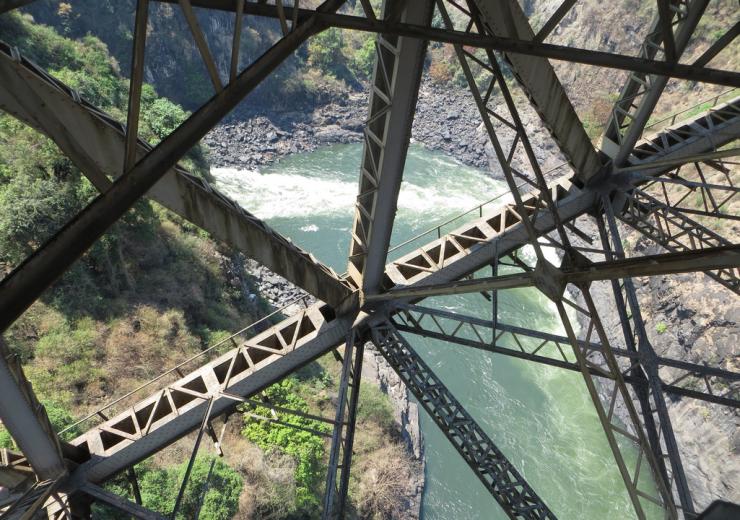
392,106
505,18
96,144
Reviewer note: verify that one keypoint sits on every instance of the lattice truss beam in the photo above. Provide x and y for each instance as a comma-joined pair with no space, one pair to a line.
674,187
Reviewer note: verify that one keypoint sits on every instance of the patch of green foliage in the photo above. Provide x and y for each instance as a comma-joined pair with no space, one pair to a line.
306,447
212,492
661,327
374,406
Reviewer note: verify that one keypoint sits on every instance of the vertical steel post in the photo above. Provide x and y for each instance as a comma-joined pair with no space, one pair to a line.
648,361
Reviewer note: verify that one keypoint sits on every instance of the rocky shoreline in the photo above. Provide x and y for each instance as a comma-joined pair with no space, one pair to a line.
446,120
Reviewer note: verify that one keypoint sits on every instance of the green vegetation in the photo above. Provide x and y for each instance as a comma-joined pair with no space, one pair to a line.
221,485
306,447
661,327
155,290
212,492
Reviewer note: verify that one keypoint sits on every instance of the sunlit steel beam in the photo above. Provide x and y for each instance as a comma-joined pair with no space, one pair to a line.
509,45
26,420
723,257
94,141
397,75
499,476
20,288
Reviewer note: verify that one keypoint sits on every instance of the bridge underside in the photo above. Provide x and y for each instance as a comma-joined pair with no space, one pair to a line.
673,184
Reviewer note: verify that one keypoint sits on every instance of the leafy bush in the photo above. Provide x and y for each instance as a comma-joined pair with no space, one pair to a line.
325,51
306,447
221,484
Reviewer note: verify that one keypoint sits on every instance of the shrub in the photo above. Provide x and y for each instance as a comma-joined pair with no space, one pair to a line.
307,448
325,51
212,476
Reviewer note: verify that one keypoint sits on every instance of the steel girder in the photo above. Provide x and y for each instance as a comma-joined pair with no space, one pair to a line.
340,455
505,18
551,349
97,144
26,420
641,92
636,338
725,258
168,414
509,45
490,465
392,105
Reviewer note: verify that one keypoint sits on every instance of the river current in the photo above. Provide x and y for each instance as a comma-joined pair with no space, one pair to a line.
540,417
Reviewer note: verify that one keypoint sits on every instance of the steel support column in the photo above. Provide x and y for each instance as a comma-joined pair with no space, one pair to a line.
26,420
634,327
392,105
340,455
515,496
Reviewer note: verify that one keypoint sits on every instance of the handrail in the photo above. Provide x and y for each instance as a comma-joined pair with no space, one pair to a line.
479,208
713,99
183,363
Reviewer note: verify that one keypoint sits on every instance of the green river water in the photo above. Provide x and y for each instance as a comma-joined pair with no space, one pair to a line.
541,417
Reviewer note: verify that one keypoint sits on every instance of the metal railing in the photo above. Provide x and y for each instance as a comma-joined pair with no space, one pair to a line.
100,412
477,209
709,102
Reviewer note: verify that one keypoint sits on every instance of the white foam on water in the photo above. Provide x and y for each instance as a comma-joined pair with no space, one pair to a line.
284,194
290,195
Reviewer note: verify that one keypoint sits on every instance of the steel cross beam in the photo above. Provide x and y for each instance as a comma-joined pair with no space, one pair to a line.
340,455
725,258
551,349
504,44
498,475
392,104
96,143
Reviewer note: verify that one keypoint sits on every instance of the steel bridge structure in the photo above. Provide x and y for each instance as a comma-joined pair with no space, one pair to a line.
674,184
